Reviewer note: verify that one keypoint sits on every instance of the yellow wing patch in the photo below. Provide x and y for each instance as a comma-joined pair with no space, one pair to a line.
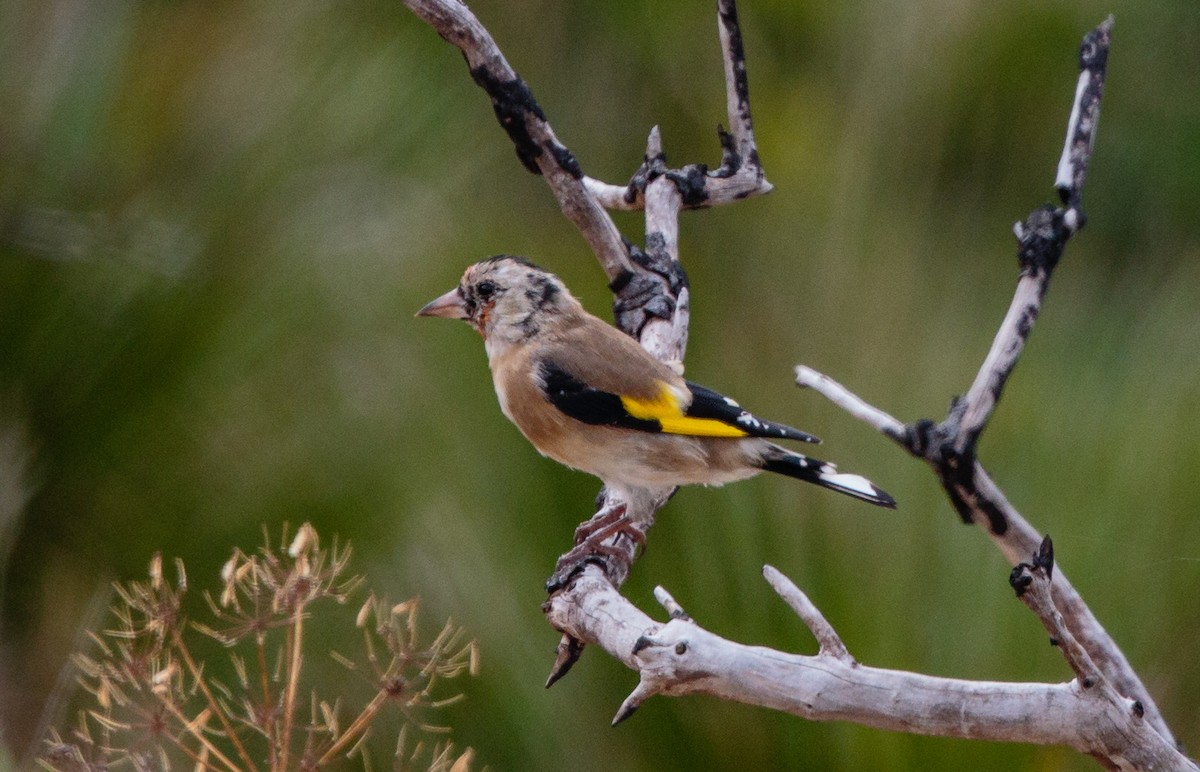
665,408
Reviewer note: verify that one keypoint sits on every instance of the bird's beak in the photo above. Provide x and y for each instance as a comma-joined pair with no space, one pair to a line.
448,306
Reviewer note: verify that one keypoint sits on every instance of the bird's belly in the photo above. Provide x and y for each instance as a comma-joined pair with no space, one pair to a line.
646,460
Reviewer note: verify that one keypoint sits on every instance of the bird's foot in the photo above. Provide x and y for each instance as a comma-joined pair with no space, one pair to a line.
600,521
591,547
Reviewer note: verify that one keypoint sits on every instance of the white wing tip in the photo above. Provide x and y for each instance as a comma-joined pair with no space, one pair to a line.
857,485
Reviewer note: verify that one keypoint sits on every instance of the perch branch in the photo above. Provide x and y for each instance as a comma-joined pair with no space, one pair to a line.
679,657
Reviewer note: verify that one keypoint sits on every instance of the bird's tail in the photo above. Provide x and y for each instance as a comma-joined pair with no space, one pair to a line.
826,475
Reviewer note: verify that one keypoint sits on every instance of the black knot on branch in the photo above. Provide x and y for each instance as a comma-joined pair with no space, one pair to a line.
1044,557
1020,579
1093,51
731,160
919,436
692,182
649,294
653,167
657,260
565,159
511,101
1022,575
935,443
1041,239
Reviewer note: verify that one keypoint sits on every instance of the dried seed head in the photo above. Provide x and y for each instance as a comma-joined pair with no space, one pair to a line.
181,573
364,613
160,682
306,539
228,568
463,762
473,659
156,570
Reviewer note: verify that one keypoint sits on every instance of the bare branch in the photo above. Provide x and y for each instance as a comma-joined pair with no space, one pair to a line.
674,610
1081,127
808,378
1042,238
650,287
828,640
537,146
986,504
1031,581
679,657
949,447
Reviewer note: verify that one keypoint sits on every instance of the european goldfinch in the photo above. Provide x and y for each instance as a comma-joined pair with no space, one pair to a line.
588,396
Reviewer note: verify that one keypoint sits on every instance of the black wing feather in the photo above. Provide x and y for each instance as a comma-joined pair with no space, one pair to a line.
586,403
602,408
707,403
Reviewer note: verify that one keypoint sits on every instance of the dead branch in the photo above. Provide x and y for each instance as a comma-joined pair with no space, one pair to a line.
1105,711
679,657
949,446
649,285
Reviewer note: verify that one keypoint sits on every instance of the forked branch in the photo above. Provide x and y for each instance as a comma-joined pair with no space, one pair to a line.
651,299
679,657
1105,711
949,446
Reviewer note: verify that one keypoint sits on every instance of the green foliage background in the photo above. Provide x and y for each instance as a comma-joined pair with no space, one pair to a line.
217,219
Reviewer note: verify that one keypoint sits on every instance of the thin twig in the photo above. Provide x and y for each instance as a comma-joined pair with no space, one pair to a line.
197,676
360,723
189,727
828,641
263,677
882,422
289,700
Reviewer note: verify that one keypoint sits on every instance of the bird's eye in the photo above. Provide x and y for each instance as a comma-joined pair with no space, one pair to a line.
485,289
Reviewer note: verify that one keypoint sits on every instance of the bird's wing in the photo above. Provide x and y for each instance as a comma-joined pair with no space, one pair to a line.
662,406
708,404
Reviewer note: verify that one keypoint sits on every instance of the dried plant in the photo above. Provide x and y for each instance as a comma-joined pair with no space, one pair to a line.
155,704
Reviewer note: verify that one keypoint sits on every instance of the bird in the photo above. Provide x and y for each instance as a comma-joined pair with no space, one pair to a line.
590,397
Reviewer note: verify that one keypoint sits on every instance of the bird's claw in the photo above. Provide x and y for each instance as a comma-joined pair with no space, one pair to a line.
599,522
592,548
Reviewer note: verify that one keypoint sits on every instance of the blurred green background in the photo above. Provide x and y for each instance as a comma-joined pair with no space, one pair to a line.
217,219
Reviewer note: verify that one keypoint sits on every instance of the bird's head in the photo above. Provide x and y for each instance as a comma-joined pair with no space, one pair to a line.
506,298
